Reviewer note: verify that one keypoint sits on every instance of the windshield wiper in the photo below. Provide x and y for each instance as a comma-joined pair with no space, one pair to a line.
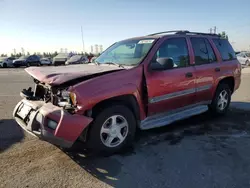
112,63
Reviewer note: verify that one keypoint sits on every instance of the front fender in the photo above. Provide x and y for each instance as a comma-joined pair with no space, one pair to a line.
109,93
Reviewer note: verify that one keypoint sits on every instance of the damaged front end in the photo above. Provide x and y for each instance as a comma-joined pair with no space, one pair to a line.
49,113
59,96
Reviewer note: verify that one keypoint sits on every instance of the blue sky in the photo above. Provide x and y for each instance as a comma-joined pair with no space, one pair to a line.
48,25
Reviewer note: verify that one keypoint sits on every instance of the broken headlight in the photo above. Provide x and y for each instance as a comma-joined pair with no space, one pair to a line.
68,99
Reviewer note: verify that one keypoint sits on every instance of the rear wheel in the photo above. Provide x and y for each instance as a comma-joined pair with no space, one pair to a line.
112,130
221,100
4,65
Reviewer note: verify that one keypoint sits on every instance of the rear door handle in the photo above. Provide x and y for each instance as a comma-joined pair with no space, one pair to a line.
189,74
217,69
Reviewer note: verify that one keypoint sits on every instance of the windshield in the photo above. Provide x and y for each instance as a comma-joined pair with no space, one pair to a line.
129,52
75,58
62,55
23,57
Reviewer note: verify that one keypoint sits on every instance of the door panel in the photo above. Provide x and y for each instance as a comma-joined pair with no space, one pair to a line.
206,68
169,89
205,79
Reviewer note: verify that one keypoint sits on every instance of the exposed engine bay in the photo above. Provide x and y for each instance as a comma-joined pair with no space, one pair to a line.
57,95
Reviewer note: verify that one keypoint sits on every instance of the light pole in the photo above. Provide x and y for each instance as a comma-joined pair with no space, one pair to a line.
82,40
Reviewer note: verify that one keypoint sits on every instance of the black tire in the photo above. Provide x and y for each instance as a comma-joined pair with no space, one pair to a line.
28,65
4,65
247,63
95,143
214,106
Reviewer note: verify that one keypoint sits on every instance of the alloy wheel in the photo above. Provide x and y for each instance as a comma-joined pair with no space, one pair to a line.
222,100
114,131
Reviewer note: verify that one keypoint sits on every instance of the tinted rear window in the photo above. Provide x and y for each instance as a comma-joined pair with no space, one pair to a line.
226,50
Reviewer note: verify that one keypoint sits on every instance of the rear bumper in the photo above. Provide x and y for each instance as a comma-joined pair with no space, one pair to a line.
237,83
59,62
36,118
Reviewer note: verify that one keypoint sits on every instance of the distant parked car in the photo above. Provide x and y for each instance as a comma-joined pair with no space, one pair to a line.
244,58
61,58
27,61
6,62
45,61
92,60
77,59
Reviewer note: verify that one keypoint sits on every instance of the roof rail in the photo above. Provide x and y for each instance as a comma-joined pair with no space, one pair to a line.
185,32
174,31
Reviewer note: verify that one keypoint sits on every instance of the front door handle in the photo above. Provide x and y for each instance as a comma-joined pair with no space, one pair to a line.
189,74
217,69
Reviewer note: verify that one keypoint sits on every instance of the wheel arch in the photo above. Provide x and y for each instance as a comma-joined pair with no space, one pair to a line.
228,80
128,100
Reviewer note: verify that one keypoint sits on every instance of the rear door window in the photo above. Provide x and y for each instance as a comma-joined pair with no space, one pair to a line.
200,51
211,54
226,50
203,51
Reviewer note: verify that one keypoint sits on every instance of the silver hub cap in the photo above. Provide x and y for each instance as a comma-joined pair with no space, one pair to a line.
222,100
114,131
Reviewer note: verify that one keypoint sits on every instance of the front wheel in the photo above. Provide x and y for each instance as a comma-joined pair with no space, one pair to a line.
221,100
112,130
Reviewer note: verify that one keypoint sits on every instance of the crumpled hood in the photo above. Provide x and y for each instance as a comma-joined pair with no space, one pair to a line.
62,74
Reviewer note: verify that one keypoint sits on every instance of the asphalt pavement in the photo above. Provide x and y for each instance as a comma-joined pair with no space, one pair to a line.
202,151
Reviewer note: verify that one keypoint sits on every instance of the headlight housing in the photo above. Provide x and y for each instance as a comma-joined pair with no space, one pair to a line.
68,99
72,97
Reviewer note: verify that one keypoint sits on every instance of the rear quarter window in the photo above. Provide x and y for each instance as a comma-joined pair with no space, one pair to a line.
226,50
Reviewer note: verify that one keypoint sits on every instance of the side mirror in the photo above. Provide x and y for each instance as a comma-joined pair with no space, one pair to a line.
162,64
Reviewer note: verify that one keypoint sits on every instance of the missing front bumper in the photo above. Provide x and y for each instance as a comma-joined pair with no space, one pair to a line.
33,117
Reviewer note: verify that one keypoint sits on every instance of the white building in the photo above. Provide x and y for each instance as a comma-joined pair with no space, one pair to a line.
100,48
96,49
92,49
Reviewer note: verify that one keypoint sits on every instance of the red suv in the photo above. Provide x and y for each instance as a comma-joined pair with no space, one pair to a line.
143,82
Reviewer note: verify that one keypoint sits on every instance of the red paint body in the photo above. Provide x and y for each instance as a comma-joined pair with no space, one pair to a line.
158,83
130,82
